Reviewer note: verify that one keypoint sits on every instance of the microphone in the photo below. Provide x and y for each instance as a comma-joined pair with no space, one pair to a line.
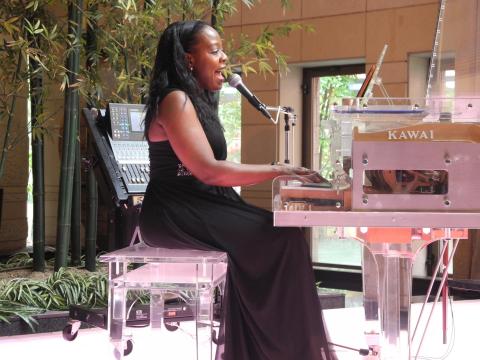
235,81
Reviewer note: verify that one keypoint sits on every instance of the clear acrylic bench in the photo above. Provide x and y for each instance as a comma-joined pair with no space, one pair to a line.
139,270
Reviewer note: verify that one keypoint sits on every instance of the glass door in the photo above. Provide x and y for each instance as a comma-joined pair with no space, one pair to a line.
323,87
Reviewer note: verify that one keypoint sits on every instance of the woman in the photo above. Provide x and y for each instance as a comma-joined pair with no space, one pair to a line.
271,306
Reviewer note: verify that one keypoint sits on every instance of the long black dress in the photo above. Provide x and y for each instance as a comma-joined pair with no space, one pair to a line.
271,307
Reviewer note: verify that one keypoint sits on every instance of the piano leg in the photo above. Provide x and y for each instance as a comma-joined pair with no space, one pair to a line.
370,300
387,294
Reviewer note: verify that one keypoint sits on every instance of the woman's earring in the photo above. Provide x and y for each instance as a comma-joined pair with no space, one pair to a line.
191,67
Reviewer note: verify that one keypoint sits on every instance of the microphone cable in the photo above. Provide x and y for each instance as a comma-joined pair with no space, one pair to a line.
363,352
451,343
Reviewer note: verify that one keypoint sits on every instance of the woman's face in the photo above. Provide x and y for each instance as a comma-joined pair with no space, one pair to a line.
208,59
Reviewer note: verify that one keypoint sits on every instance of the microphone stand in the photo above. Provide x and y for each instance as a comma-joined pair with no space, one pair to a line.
290,119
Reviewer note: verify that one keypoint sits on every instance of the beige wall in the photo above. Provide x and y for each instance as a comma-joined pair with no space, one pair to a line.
346,30
13,225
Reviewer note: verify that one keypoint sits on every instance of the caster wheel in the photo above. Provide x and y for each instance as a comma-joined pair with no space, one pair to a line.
67,333
127,349
171,326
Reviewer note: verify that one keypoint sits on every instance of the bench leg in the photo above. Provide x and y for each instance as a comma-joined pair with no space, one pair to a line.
157,302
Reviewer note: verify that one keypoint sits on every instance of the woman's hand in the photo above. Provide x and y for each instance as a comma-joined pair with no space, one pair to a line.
309,174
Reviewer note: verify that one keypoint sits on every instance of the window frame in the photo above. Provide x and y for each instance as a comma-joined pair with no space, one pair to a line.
308,129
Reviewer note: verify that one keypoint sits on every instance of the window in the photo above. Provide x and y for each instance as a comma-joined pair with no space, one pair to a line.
229,111
419,70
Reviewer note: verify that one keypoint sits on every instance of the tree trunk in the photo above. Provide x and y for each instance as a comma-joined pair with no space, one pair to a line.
214,16
75,245
70,129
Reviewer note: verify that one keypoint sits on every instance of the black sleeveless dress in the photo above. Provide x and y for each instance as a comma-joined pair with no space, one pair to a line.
271,308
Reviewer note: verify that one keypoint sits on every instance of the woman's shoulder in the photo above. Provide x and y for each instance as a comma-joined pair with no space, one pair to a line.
174,103
171,91
174,97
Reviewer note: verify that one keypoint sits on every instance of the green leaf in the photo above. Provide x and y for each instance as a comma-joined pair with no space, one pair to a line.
264,67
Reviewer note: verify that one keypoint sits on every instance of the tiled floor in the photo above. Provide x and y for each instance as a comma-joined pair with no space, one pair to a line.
345,327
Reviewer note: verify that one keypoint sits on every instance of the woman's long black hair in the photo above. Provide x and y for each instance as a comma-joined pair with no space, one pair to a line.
171,70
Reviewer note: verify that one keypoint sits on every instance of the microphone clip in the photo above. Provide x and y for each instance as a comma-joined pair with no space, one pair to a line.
289,114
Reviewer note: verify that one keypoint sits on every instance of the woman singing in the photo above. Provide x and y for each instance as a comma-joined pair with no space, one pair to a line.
271,309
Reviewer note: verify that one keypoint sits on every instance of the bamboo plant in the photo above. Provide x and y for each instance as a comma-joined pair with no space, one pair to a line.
29,53
70,134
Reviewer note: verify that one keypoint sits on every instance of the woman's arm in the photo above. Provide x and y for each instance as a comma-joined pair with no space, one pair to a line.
178,118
